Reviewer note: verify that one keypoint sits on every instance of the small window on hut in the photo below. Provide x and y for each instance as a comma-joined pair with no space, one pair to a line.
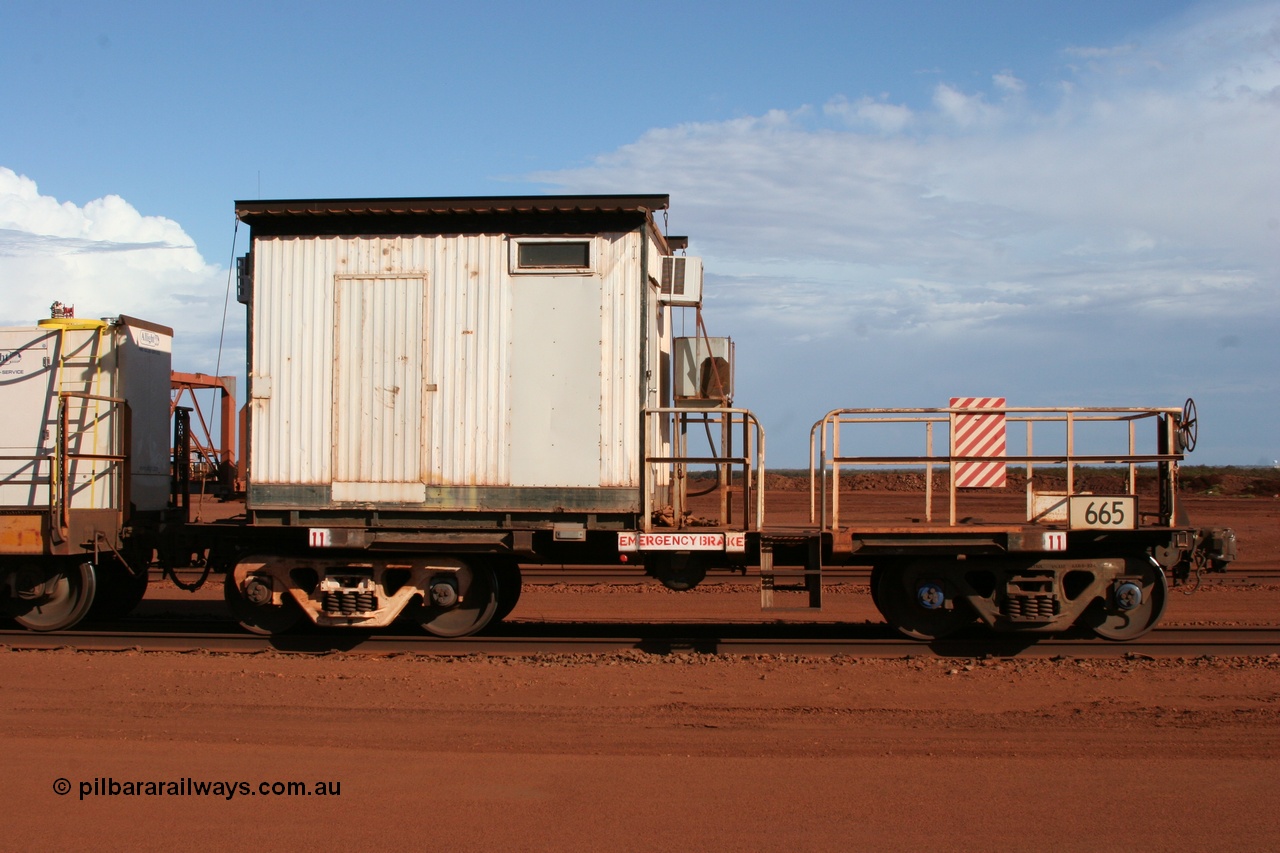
551,256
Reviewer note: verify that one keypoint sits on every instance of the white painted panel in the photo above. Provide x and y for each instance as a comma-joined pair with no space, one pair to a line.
554,430
28,427
379,380
145,362
378,492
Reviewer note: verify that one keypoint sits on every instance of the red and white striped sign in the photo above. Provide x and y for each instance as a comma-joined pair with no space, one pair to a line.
979,435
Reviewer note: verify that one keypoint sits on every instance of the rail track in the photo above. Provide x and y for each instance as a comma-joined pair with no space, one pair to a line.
609,574
568,638
203,627
831,574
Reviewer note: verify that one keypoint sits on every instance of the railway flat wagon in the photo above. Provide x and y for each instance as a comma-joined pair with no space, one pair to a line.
84,465
440,388
444,388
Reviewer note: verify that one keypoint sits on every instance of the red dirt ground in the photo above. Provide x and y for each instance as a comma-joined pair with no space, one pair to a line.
636,752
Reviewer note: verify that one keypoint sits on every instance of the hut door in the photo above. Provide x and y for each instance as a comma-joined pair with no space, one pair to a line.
379,408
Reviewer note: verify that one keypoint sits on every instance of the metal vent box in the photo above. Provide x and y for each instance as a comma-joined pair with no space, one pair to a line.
704,370
681,280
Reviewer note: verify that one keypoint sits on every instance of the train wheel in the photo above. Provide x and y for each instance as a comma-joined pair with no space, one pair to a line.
119,591
877,572
60,594
462,602
265,619
510,584
916,605
1132,608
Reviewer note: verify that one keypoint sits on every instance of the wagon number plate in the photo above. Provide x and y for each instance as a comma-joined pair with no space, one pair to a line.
1092,512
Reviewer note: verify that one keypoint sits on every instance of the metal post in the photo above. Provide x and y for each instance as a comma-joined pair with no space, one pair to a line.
763,473
182,460
1133,449
648,479
951,467
928,472
1030,470
835,474
1071,445
747,449
724,471
63,509
125,465
678,493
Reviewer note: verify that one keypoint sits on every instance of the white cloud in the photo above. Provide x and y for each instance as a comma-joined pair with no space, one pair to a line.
1006,81
876,114
1137,214
964,110
1176,171
105,258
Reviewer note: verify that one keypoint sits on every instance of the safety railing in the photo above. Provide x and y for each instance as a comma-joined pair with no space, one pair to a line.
68,456
735,452
829,450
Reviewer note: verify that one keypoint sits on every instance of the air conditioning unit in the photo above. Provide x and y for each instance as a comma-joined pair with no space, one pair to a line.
704,371
681,280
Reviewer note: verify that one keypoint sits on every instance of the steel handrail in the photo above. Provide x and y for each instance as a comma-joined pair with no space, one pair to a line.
64,459
751,458
827,429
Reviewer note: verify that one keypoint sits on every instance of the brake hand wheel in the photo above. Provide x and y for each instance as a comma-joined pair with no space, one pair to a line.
1188,428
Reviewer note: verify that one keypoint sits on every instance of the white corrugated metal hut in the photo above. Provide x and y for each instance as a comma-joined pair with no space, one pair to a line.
452,355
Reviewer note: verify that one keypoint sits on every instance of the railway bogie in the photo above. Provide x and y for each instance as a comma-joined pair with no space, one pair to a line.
1119,598
447,596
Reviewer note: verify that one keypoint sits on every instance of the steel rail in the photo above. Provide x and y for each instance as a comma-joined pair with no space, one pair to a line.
530,639
831,575
570,575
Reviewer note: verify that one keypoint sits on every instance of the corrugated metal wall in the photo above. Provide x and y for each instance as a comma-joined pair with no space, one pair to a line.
467,326
379,379
620,359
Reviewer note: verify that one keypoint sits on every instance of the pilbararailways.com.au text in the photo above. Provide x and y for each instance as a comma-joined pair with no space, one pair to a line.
107,786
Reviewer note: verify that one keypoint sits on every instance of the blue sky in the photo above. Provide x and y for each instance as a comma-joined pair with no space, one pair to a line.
1061,203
